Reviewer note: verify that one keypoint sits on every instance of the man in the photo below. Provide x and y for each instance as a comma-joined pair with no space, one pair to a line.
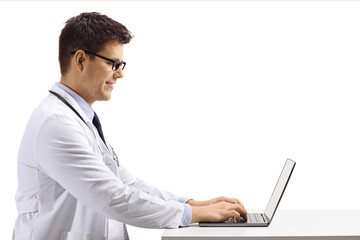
71,184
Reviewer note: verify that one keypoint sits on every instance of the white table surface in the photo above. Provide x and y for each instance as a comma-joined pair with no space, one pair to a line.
286,225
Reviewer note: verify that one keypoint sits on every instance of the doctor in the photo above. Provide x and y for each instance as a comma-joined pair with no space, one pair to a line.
71,184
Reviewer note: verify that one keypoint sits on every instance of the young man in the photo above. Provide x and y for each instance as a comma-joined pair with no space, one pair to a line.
71,184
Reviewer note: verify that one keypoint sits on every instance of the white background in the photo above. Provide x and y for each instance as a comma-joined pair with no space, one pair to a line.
216,96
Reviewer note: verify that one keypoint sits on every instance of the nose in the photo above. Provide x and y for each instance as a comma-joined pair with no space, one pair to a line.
119,73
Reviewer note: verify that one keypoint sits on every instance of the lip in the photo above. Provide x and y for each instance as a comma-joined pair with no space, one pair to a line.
110,84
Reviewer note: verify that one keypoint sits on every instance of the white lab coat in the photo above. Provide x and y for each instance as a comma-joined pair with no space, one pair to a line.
70,187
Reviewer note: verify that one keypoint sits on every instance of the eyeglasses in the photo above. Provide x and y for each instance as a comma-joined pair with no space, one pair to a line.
115,63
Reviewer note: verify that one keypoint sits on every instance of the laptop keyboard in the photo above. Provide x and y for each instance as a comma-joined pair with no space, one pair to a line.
256,218
233,220
252,218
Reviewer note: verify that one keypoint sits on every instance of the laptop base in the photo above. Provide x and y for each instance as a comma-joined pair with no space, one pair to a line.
222,224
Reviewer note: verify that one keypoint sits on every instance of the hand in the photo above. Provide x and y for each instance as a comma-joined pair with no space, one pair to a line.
215,200
217,212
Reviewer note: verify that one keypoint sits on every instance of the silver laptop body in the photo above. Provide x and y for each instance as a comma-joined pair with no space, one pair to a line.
262,219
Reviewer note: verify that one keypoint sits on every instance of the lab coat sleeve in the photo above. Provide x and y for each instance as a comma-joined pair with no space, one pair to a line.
128,179
63,152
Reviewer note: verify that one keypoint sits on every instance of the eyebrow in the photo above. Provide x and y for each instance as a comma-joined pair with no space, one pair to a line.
114,59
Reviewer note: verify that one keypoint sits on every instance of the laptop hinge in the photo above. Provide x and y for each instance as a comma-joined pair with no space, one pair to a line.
266,218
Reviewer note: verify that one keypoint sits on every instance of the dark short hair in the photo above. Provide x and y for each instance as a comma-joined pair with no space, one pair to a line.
89,31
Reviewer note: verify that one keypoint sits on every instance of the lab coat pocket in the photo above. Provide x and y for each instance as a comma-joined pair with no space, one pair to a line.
111,160
79,236
112,164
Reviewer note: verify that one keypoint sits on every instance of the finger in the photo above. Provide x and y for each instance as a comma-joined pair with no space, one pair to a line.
232,200
229,200
240,209
236,215
237,201
227,210
228,213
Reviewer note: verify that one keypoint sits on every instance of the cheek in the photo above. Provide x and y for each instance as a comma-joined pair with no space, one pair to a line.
99,75
97,78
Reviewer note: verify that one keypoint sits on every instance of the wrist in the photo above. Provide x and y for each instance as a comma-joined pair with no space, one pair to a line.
197,203
196,214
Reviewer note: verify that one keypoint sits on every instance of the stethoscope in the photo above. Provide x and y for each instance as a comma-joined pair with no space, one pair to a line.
115,157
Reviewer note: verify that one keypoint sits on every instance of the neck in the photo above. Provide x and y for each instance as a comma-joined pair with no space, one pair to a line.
73,87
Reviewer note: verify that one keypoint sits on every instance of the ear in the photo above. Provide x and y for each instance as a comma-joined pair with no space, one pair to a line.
80,60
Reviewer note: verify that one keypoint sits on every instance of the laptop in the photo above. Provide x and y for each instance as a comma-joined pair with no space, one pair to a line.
261,219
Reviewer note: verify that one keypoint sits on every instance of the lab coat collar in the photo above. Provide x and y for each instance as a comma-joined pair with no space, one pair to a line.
85,107
72,102
88,121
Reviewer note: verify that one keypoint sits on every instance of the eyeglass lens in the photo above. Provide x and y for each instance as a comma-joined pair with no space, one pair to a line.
116,65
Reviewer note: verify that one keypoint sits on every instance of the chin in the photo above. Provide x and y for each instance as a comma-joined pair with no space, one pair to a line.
108,98
105,98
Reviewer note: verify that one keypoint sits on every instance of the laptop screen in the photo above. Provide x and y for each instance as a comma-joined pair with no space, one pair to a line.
279,188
